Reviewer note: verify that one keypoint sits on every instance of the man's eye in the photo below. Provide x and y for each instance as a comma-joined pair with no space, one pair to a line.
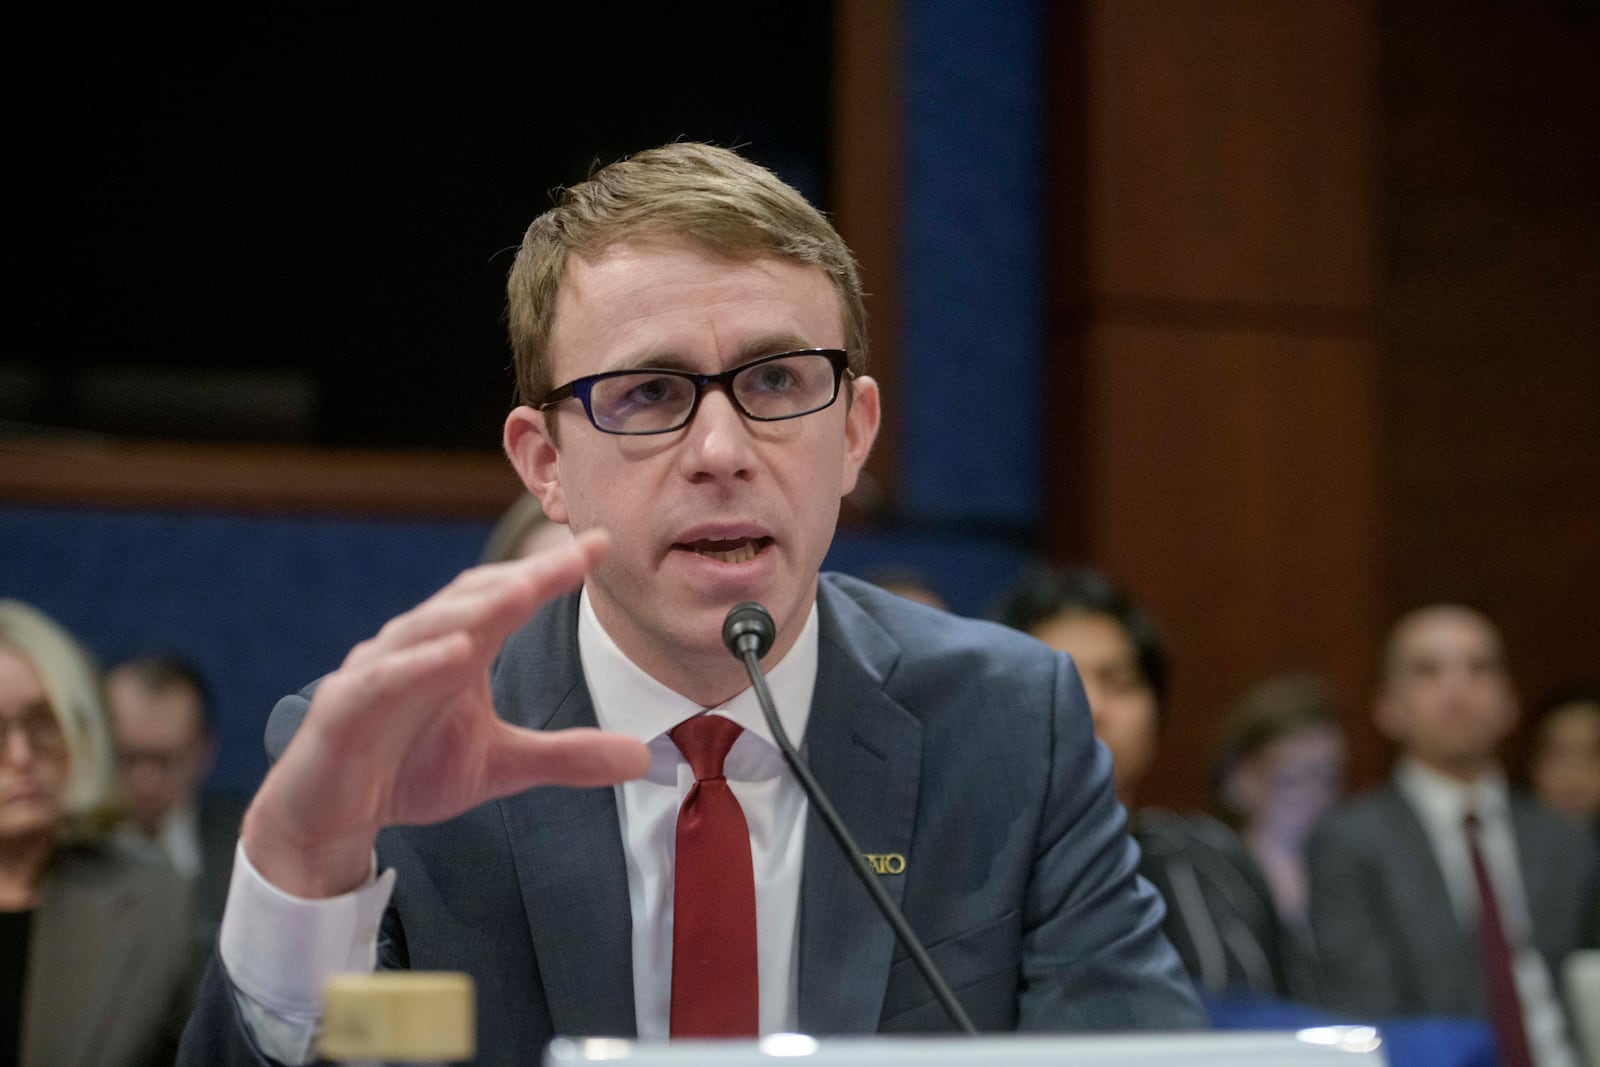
775,378
1121,681
653,391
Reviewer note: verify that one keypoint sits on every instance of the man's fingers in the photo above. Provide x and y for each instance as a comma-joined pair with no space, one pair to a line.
490,601
579,757
419,675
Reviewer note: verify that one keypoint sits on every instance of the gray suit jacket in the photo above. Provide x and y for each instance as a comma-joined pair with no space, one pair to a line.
110,962
1386,930
963,746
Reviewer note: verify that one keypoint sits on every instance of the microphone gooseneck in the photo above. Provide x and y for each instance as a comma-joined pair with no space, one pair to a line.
748,632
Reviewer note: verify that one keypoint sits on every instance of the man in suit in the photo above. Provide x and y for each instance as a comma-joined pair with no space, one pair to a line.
159,706
690,346
1395,898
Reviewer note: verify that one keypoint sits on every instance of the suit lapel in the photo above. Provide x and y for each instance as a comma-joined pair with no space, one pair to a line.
1541,868
567,846
865,751
1428,915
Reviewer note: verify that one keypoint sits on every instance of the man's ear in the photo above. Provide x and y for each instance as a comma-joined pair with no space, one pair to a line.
535,459
860,429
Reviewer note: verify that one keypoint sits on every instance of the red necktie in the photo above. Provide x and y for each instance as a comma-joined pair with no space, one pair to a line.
713,895
1505,1007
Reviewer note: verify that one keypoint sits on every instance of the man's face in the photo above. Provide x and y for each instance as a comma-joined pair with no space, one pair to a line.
723,510
33,756
1446,698
1121,701
1565,764
162,753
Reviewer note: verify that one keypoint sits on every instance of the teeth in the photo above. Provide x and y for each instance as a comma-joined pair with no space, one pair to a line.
740,553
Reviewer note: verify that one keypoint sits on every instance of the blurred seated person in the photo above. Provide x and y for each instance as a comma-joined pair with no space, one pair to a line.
1564,763
522,529
1445,892
94,938
159,707
1220,914
1279,768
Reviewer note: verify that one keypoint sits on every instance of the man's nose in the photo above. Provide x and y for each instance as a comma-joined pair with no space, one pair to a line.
719,440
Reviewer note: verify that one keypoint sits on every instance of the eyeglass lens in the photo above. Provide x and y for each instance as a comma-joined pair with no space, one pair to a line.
39,727
657,401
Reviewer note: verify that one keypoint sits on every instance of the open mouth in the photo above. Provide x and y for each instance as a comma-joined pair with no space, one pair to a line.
734,550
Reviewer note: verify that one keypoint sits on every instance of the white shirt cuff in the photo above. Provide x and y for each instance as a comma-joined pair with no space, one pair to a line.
278,949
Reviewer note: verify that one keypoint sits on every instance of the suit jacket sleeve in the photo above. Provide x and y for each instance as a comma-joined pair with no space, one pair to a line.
1347,918
1094,956
216,1033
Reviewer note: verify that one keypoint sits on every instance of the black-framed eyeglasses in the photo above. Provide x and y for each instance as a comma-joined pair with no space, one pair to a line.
782,386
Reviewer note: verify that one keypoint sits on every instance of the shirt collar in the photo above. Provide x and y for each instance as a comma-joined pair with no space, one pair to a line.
631,702
1444,800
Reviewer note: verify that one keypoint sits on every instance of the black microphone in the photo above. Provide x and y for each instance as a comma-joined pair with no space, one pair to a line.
748,632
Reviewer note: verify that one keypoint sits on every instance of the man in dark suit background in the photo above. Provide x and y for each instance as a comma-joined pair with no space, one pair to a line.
1395,903
160,711
690,345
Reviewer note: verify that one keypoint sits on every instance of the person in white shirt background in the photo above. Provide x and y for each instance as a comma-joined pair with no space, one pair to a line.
160,716
1394,895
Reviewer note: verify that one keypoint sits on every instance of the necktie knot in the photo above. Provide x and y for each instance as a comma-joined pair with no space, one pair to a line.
704,741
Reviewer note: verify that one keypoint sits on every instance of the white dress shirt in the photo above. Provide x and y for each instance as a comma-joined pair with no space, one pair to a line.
1443,803
278,949
178,840
629,701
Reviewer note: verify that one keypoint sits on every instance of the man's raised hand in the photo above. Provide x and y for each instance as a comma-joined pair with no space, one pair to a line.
405,732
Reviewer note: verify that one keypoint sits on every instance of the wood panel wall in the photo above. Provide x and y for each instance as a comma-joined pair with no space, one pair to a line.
1326,334
1491,322
1214,340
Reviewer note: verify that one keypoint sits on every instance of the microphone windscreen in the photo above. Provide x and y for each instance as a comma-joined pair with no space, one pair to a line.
748,626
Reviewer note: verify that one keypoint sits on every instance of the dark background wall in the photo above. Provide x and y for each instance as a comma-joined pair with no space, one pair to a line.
296,226
1283,313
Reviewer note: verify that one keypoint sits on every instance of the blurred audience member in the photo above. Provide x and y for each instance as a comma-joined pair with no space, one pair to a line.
522,529
909,583
1279,768
1118,653
160,714
1404,924
98,962
1564,764
1220,914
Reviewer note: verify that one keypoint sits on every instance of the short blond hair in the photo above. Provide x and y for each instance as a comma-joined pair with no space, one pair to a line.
71,680
708,194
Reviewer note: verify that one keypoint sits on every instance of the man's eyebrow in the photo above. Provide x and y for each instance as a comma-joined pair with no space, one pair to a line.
655,360
660,359
773,344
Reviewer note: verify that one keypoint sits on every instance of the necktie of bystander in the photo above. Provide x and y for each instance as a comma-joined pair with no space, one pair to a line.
1494,951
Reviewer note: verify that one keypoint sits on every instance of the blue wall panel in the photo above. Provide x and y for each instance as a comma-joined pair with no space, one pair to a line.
262,604
973,260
